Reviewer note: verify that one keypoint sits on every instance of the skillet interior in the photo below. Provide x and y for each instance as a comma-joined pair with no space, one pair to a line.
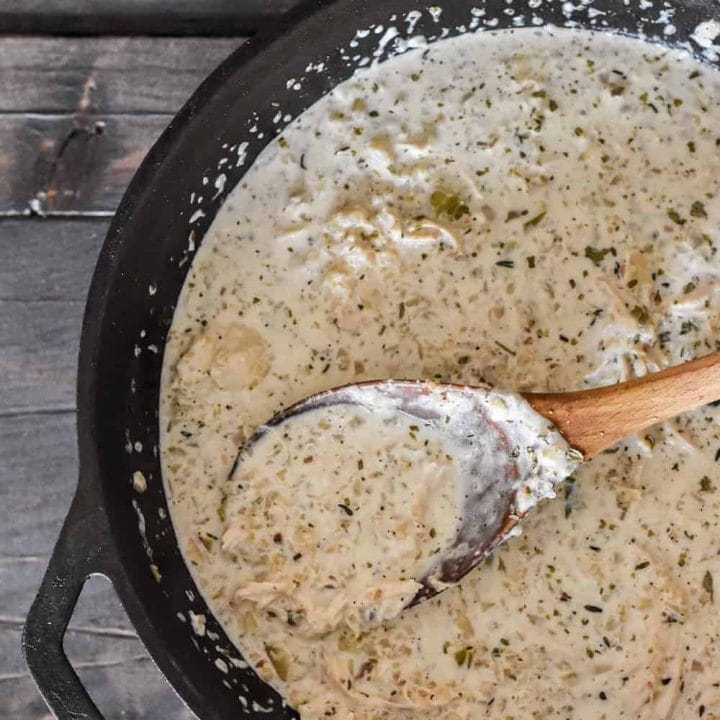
144,263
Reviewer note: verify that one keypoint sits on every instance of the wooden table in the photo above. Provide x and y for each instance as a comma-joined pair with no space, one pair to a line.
85,88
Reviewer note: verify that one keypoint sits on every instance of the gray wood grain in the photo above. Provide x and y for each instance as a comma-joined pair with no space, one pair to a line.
77,117
105,75
71,163
142,17
48,260
37,478
38,467
44,275
53,92
38,353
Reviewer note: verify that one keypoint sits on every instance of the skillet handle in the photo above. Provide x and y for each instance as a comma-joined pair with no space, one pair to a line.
81,551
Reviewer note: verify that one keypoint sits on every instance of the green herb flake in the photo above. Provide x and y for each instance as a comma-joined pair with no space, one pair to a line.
221,508
532,222
464,656
675,216
706,485
448,204
689,288
505,348
531,261
640,313
697,210
279,660
596,255
707,584
515,214
569,496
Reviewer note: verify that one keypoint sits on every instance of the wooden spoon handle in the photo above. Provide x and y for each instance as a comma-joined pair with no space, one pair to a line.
592,420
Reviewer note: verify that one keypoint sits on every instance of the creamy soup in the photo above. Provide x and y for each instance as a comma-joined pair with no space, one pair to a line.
390,487
371,499
533,209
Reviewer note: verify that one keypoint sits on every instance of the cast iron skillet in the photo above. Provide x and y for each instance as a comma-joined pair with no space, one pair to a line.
138,277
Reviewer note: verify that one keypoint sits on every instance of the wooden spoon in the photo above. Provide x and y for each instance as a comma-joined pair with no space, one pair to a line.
594,420
590,421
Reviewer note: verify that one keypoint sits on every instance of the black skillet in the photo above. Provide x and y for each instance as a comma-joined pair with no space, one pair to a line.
138,277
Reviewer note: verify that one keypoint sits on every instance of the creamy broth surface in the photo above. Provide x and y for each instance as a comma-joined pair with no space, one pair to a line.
389,491
372,497
533,209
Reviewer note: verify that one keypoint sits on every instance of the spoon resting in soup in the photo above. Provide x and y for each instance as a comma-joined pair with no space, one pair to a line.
446,473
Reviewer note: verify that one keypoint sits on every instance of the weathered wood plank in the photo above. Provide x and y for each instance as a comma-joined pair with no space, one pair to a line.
103,648
38,474
71,163
44,276
48,260
38,354
77,117
139,17
133,86
105,75
119,675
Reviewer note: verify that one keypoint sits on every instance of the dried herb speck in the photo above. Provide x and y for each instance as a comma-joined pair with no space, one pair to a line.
675,216
706,485
697,210
595,254
532,222
707,584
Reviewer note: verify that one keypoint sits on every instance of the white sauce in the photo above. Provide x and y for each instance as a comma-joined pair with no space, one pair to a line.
371,497
382,489
537,210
